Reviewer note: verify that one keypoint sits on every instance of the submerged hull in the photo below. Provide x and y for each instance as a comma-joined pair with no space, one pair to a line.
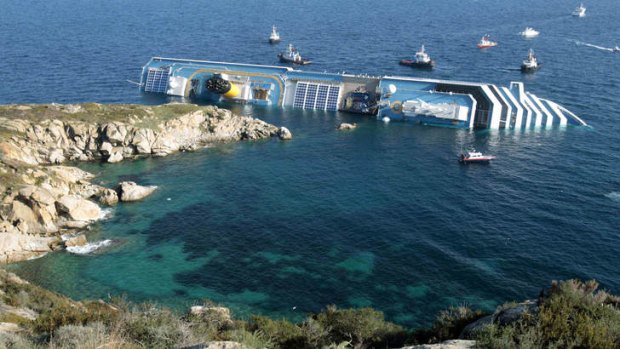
425,101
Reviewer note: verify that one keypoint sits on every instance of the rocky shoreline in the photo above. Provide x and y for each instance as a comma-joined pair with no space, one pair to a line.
42,200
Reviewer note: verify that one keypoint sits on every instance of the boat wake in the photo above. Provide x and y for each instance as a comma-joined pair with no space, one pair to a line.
602,48
89,247
614,196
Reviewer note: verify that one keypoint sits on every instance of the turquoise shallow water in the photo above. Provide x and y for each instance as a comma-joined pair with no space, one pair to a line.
381,216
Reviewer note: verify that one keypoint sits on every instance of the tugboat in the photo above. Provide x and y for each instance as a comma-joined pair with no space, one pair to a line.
472,156
529,33
292,56
580,11
274,38
530,64
486,42
421,60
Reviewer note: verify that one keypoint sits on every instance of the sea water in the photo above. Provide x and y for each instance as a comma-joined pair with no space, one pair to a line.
381,216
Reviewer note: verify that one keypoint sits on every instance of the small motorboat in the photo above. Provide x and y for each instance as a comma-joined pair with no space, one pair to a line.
473,156
274,38
530,64
486,42
420,60
529,33
292,56
616,49
580,11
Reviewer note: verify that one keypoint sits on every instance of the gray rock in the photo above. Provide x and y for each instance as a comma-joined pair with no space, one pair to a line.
116,155
449,344
346,126
77,208
56,156
130,191
284,133
218,345
77,240
143,139
475,327
108,197
503,316
106,149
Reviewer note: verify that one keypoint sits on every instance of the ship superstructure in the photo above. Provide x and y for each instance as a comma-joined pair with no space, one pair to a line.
427,101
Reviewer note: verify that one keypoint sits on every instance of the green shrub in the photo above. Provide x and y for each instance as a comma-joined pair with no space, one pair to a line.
281,333
15,341
153,327
363,328
79,337
211,324
253,340
572,314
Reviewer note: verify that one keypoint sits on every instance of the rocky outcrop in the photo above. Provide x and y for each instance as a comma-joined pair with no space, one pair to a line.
449,344
346,126
76,208
130,191
218,345
108,197
40,200
284,134
77,240
505,315
157,131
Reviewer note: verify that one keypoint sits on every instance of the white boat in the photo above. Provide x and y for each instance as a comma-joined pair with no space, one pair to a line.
274,38
580,11
530,64
616,49
473,156
486,42
529,33
292,56
421,60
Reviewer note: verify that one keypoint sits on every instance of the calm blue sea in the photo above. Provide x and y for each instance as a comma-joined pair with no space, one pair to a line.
382,216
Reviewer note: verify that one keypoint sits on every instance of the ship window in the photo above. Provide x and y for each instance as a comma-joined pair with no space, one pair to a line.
316,96
156,80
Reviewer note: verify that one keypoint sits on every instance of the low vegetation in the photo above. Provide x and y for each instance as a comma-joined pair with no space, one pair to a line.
570,314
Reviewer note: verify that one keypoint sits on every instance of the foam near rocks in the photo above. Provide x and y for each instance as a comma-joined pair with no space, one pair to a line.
89,247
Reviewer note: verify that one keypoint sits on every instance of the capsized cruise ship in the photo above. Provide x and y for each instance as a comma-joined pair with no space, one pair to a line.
426,101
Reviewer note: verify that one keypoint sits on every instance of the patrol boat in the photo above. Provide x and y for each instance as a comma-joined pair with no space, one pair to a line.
292,56
274,38
421,60
529,33
473,156
530,64
435,102
580,11
486,42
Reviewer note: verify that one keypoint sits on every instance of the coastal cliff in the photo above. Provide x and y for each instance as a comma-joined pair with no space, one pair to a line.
42,200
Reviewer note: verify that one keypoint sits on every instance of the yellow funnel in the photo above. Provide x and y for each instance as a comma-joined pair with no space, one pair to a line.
233,92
